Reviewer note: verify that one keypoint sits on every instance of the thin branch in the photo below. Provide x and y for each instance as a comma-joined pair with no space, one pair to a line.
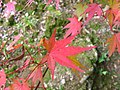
39,81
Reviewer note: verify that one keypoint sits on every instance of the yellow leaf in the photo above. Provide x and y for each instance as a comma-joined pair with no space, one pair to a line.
77,63
80,8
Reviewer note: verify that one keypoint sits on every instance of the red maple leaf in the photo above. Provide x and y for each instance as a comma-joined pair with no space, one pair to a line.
114,42
2,78
58,51
74,26
92,10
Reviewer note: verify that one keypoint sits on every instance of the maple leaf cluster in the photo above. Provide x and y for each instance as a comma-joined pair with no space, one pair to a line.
112,14
59,51
75,26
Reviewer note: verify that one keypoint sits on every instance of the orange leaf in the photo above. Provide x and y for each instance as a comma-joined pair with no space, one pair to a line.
15,47
19,84
40,43
112,16
49,44
114,42
91,1
114,4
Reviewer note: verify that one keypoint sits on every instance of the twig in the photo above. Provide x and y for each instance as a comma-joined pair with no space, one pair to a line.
39,81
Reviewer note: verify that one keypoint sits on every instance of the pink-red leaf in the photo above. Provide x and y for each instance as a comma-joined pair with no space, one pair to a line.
64,61
25,65
36,75
72,50
51,65
2,78
74,26
92,10
60,51
63,43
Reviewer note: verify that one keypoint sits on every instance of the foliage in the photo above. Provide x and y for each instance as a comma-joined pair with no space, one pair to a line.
40,36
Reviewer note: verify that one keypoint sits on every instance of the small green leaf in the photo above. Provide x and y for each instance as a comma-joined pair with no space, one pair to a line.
104,72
